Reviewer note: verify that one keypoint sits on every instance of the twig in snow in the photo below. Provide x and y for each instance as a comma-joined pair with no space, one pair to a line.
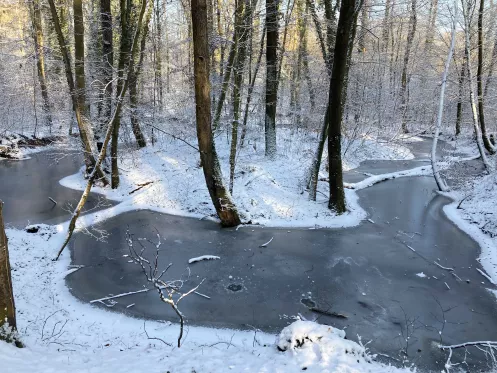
267,243
140,186
441,266
156,338
486,276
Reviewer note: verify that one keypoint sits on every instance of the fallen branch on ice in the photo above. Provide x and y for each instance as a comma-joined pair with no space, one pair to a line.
203,257
267,243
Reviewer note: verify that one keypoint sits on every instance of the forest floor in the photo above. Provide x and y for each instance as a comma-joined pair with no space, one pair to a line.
64,334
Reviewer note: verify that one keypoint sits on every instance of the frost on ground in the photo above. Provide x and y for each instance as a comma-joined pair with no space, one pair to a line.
62,334
267,192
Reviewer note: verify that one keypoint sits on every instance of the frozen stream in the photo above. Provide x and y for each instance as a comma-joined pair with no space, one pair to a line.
369,273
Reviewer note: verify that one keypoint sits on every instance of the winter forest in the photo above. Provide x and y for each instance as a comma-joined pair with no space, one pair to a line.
248,186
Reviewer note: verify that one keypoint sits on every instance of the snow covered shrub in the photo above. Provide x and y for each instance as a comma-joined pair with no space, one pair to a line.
316,340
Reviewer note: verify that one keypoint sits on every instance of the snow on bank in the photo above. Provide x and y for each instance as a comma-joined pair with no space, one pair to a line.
266,192
477,217
65,335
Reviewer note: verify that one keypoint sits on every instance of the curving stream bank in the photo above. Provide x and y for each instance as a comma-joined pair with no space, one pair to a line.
369,273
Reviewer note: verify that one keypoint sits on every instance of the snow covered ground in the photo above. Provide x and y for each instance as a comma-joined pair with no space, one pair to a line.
62,334
271,193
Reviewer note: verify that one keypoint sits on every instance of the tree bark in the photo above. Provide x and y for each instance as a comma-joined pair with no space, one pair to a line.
124,60
271,76
474,110
105,106
347,21
238,71
133,83
7,305
220,197
35,13
229,67
462,76
479,82
404,80
251,87
319,32
442,186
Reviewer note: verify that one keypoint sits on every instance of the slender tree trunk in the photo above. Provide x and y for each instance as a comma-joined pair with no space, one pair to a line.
105,105
221,197
133,80
158,55
271,76
251,87
362,42
347,21
229,66
442,186
319,32
462,77
83,125
479,82
238,71
474,110
35,13
432,18
125,10
79,57
407,54
305,65
386,25
491,67
288,15
7,305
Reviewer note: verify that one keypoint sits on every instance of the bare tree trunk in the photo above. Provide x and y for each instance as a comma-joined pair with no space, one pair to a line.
288,15
7,305
347,21
105,105
108,135
229,66
271,76
305,65
158,54
319,32
432,18
221,197
35,13
407,54
124,60
462,76
362,42
79,59
133,80
491,66
386,25
251,87
83,125
442,186
479,82
479,142
238,71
